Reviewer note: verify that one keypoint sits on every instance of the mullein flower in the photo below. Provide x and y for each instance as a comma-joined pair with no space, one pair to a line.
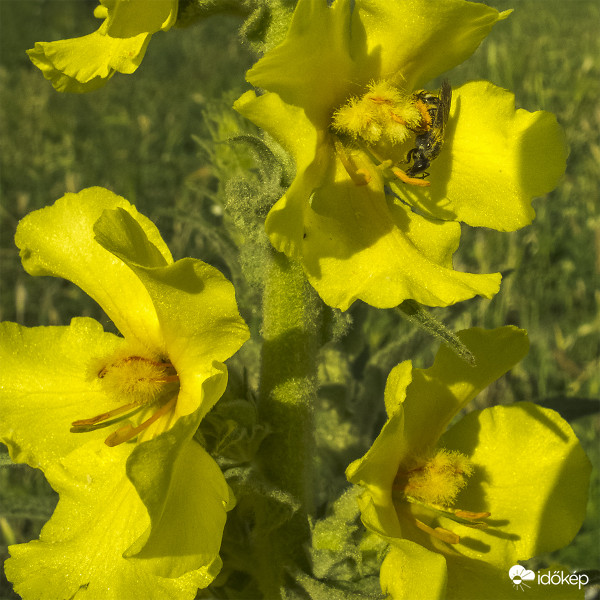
460,506
86,63
343,94
110,420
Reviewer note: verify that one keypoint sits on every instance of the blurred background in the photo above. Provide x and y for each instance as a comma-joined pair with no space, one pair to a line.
160,138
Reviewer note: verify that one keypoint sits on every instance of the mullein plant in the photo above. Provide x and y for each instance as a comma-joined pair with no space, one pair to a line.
387,167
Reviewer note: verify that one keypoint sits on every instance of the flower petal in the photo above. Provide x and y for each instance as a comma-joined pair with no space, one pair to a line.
353,243
128,18
530,473
416,40
59,240
195,306
358,245
312,67
292,129
410,572
80,551
86,63
46,384
420,410
333,51
494,161
471,578
437,394
377,469
187,499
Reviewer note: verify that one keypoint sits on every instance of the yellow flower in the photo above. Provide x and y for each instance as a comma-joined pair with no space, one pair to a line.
344,96
460,504
86,63
111,419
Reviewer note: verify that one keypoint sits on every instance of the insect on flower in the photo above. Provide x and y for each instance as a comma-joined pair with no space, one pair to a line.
429,144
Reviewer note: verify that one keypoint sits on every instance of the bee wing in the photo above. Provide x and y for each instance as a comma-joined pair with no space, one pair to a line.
443,112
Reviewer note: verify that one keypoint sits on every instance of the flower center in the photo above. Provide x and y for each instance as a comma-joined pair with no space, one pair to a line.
383,114
384,118
145,382
433,483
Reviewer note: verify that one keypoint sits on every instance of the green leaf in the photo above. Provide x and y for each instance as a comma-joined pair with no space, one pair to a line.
416,314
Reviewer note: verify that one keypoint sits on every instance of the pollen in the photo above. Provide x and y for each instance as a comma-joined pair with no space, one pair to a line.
137,380
384,113
135,377
437,479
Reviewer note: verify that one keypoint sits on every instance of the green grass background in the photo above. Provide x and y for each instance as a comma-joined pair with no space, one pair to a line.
150,137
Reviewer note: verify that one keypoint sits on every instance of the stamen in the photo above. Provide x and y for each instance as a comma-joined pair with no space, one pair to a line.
432,482
439,532
127,432
380,100
359,176
402,176
397,118
139,382
133,359
386,163
472,516
84,425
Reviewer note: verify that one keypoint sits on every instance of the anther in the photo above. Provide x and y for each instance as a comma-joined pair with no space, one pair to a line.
439,532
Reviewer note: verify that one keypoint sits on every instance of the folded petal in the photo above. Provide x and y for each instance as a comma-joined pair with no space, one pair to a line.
495,160
86,63
195,306
59,240
187,499
312,67
310,149
376,470
80,550
531,474
46,383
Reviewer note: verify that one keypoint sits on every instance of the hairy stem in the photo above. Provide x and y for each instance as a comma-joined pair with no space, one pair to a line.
291,316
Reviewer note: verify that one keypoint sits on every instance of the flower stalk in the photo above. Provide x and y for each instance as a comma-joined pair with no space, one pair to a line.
291,317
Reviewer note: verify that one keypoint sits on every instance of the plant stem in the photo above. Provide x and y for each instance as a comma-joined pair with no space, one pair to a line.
291,318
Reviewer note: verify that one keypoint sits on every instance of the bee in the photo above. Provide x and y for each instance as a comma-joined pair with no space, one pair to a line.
429,144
